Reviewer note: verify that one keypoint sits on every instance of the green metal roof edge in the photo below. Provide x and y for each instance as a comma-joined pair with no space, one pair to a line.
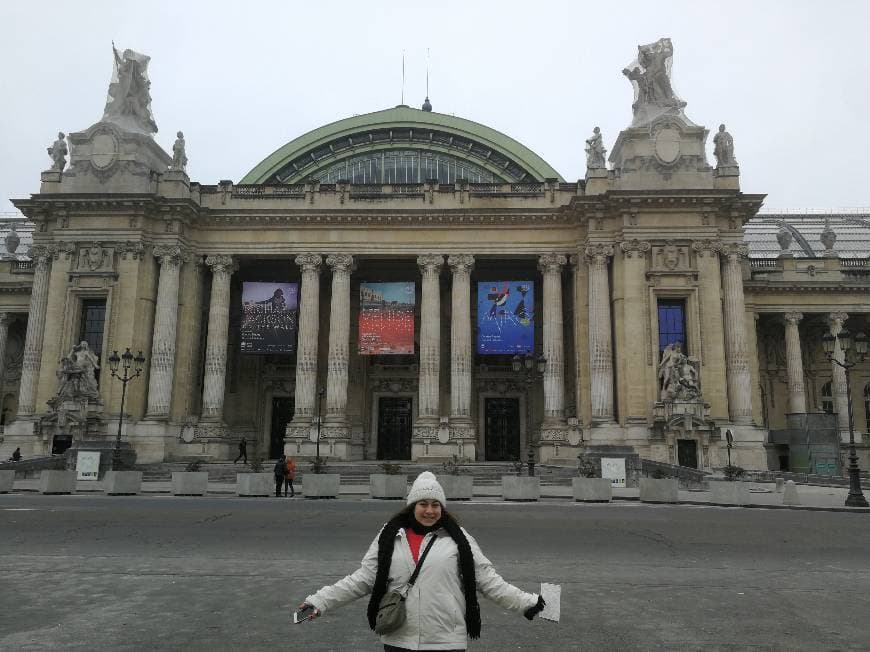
403,116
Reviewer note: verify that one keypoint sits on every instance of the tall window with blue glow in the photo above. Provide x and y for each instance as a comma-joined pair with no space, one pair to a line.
672,323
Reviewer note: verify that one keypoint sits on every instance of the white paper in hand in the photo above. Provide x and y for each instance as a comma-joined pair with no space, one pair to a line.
552,594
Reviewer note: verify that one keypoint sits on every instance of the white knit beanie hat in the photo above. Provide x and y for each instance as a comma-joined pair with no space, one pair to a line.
426,487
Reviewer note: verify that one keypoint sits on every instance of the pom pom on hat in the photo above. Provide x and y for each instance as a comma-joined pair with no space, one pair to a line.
426,487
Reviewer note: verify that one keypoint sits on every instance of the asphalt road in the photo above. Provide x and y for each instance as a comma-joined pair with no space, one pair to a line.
143,573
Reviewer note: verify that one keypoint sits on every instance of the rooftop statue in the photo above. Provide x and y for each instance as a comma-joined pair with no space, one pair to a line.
650,75
58,152
595,151
723,148
129,102
179,155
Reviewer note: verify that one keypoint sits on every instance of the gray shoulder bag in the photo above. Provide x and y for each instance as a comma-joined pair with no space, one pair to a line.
391,611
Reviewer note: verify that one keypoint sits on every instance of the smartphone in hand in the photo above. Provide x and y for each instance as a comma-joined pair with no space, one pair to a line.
303,614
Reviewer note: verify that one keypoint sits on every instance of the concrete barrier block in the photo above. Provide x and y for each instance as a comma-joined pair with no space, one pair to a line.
655,490
790,495
457,487
189,483
780,485
123,483
6,480
592,490
520,487
729,493
255,484
321,485
57,482
388,487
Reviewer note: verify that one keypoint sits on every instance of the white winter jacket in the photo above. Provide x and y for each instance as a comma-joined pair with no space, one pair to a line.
436,603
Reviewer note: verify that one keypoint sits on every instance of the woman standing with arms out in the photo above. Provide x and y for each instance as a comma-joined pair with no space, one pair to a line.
442,608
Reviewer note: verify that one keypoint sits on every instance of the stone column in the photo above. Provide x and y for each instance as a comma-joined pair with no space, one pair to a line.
460,342
836,320
5,320
41,257
554,344
600,334
339,335
797,400
306,353
216,343
428,413
165,329
739,380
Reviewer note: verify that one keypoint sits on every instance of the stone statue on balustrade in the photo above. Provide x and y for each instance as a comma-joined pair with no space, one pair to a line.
723,148
58,152
179,155
595,151
129,102
650,75
678,375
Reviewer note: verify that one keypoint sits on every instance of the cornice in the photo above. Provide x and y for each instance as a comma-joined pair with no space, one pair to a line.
772,287
449,218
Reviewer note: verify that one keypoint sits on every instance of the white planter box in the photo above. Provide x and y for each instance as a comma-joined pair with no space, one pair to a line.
321,485
653,490
389,487
57,482
6,480
592,490
255,484
189,483
729,493
123,483
457,487
520,487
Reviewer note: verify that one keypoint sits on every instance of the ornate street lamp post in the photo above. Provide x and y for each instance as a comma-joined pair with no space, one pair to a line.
126,361
320,393
856,496
533,369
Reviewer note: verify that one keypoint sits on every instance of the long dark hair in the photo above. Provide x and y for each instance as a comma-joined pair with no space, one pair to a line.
386,542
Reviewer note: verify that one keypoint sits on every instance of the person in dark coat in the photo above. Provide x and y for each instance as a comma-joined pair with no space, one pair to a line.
280,471
243,451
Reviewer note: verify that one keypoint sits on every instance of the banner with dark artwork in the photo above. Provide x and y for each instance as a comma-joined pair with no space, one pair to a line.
505,317
386,318
270,314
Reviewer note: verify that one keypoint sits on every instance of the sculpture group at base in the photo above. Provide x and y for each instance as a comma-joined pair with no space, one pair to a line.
678,375
76,374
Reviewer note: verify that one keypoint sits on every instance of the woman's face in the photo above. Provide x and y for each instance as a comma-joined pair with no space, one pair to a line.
427,512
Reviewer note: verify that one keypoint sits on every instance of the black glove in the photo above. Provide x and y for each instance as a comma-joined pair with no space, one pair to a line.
531,612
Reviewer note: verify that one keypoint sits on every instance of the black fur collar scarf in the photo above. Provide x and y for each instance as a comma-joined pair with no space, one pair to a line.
386,543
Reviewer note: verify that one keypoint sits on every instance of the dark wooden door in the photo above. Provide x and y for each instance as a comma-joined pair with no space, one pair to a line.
502,429
394,428
687,453
282,413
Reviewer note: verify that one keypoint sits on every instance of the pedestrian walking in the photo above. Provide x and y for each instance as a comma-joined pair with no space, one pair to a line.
243,451
423,552
280,471
289,476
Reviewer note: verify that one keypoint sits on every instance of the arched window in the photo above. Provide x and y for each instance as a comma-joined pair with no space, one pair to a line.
827,398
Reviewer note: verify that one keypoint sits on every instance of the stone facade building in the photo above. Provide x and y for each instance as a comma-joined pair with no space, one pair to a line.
667,312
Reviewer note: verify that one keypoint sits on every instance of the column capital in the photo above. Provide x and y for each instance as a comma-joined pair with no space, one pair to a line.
635,247
792,317
836,321
309,262
221,263
169,254
430,263
40,255
733,252
600,252
5,319
340,263
551,263
707,247
460,263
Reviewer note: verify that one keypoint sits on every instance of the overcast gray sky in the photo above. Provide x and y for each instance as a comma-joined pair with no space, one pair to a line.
788,78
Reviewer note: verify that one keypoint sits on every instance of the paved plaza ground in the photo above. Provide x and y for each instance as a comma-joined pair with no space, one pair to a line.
221,573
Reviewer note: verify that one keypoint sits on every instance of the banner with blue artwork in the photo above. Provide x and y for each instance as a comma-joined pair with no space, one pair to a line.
270,314
505,317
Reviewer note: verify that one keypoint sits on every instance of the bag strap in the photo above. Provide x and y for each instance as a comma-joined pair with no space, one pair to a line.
422,559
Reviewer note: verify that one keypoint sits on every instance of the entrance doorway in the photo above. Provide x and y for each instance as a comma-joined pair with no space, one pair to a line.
394,428
282,413
687,453
502,430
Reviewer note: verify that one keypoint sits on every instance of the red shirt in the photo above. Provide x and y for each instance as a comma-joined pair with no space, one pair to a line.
414,541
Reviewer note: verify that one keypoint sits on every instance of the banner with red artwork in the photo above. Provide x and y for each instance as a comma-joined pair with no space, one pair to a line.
386,318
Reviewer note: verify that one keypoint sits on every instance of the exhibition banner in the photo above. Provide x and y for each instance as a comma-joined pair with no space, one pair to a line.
505,317
386,318
270,317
